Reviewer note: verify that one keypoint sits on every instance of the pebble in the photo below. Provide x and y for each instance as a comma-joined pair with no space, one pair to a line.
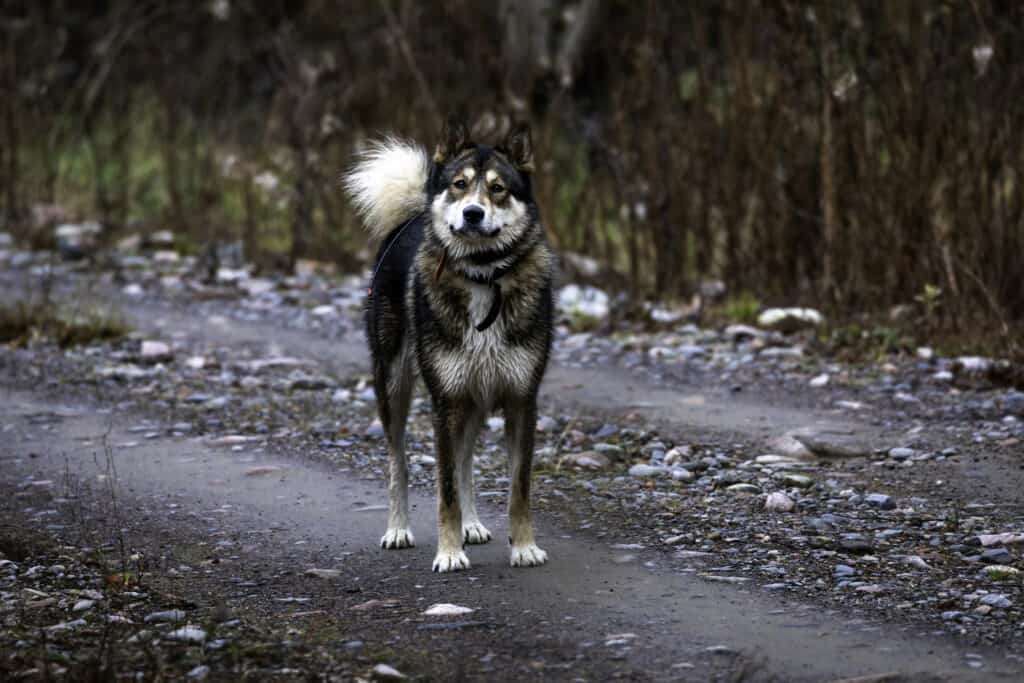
778,502
199,673
743,489
819,381
801,481
384,672
328,574
83,605
646,471
997,600
843,570
168,615
446,609
996,556
155,351
188,634
1000,572
902,453
546,424
587,459
880,500
680,474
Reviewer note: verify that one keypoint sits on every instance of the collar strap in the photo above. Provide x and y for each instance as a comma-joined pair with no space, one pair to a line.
491,280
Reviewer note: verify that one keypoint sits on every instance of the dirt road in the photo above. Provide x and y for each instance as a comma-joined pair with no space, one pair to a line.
608,604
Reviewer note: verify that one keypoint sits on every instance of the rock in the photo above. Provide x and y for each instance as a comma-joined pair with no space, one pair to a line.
66,625
791,447
646,471
916,561
880,500
901,453
446,609
300,381
587,459
738,333
830,445
128,373
787,320
495,423
997,600
680,474
1001,572
743,489
188,634
6,241
546,424
383,672
1013,403
843,570
155,351
800,481
819,381
996,556
160,239
588,302
678,454
855,544
610,450
328,574
375,429
324,311
257,285
782,352
199,673
1005,539
77,240
165,616
83,605
778,502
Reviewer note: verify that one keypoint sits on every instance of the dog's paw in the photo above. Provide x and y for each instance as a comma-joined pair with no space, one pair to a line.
475,533
528,555
397,538
450,562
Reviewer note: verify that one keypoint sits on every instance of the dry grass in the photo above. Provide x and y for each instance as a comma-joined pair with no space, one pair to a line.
24,322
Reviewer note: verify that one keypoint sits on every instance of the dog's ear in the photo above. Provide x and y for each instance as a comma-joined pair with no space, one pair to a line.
454,137
518,146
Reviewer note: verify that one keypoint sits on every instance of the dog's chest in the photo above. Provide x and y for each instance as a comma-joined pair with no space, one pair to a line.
486,364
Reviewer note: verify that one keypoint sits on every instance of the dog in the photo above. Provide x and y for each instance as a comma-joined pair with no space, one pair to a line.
461,296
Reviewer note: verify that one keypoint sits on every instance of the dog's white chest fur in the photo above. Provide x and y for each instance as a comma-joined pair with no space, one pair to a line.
486,365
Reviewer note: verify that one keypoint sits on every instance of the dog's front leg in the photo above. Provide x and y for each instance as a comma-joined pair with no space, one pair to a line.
449,421
520,423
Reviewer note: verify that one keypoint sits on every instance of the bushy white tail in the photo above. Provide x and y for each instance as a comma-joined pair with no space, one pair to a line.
387,184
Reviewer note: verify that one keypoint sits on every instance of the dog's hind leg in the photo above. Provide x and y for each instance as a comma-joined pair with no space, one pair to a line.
473,531
520,423
394,388
449,421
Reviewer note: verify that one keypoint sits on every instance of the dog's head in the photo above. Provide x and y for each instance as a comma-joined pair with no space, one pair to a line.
480,196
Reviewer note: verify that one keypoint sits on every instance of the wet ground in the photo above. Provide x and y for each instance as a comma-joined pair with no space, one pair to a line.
238,478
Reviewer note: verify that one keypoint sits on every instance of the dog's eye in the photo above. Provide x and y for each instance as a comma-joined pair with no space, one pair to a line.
496,188
459,184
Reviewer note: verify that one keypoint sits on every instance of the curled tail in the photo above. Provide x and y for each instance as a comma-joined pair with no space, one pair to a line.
387,185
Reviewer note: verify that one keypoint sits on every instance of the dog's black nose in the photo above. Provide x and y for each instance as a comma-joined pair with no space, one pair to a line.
473,214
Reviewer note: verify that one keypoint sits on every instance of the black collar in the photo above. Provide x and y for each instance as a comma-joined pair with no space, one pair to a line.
491,280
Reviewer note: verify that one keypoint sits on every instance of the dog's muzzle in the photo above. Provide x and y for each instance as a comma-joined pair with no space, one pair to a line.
473,223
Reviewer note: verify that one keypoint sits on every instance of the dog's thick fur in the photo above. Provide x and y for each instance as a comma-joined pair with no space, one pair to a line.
462,297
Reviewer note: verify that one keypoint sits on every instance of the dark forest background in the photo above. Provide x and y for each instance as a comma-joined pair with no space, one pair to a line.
851,155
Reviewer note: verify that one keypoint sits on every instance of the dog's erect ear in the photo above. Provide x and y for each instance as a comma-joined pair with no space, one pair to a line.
519,148
454,137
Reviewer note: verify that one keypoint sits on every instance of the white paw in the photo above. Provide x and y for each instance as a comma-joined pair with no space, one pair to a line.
528,555
475,533
397,538
450,562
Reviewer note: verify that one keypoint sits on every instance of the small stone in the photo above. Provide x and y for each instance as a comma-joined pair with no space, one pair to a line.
383,672
188,634
819,381
646,471
843,570
680,474
916,561
328,574
546,424
590,460
1001,572
155,351
800,481
446,609
83,605
997,600
778,502
678,454
199,673
168,615
880,500
855,544
787,320
611,450
495,423
743,489
996,556
375,429
901,453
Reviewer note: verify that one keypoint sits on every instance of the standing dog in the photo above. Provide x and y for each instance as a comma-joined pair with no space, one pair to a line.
462,296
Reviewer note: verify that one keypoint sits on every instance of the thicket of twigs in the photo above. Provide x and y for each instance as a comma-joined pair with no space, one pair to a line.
853,155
